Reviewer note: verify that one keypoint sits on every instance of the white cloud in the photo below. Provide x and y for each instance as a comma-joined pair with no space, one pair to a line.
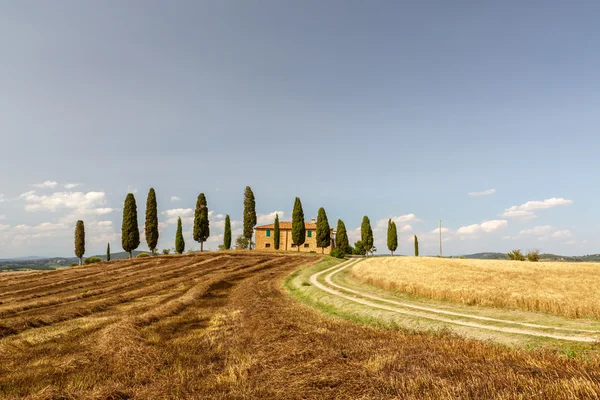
175,198
2,199
487,226
526,210
186,214
570,242
437,230
265,219
484,193
537,230
131,189
4,227
45,185
71,185
2,217
81,204
561,234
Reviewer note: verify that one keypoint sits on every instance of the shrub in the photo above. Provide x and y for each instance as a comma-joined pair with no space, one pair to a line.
142,255
191,251
533,255
337,253
359,249
74,264
516,255
166,251
92,260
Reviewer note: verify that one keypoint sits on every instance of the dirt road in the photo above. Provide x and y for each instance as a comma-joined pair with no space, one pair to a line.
443,315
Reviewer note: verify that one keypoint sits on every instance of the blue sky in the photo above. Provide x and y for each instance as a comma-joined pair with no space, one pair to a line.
383,108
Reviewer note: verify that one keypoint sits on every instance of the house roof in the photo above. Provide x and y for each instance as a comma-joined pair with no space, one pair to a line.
284,226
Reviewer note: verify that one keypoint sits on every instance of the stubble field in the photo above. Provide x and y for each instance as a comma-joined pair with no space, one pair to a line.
220,325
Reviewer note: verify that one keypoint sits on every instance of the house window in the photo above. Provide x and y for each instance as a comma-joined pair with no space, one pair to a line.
309,233
306,245
293,245
268,233
267,245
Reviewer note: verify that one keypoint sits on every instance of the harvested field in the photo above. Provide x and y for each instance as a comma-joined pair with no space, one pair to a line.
558,288
219,325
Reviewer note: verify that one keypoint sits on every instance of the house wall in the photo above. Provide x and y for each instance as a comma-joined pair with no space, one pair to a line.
285,241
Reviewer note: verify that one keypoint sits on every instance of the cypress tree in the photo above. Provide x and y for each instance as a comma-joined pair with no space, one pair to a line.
151,221
249,214
276,233
392,236
416,246
366,234
80,241
227,234
130,233
298,230
108,252
341,238
323,230
201,224
179,242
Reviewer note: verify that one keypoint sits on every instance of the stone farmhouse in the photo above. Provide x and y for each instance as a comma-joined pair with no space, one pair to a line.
264,238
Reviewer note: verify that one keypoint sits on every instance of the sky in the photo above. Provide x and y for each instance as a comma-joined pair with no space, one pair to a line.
481,114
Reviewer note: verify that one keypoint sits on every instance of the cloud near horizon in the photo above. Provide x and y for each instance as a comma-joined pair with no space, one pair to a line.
525,211
484,193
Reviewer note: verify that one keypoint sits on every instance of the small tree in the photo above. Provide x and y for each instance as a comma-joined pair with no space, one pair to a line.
276,233
201,224
533,255
416,246
323,230
341,238
249,214
80,241
179,242
242,243
151,221
108,252
359,249
298,229
516,255
227,234
392,236
130,233
366,235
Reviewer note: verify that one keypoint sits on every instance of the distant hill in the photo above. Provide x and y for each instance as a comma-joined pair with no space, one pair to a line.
543,257
49,263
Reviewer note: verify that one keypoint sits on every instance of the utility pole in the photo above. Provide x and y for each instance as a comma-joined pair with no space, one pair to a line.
441,238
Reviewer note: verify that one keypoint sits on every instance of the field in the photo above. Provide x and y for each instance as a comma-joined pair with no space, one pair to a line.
566,289
221,326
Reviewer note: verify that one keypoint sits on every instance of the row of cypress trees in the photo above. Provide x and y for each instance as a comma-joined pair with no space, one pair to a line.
130,234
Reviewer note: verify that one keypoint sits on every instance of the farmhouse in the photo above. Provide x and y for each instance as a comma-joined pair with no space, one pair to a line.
264,238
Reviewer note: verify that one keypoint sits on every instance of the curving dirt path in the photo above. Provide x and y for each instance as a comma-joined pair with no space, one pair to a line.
439,315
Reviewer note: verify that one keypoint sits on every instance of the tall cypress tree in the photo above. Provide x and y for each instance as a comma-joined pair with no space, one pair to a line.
276,233
323,230
416,246
249,214
151,221
366,234
201,224
130,233
227,233
392,236
108,252
341,238
298,230
179,242
80,241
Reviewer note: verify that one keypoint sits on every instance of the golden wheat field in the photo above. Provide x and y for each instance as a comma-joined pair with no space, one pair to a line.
567,289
